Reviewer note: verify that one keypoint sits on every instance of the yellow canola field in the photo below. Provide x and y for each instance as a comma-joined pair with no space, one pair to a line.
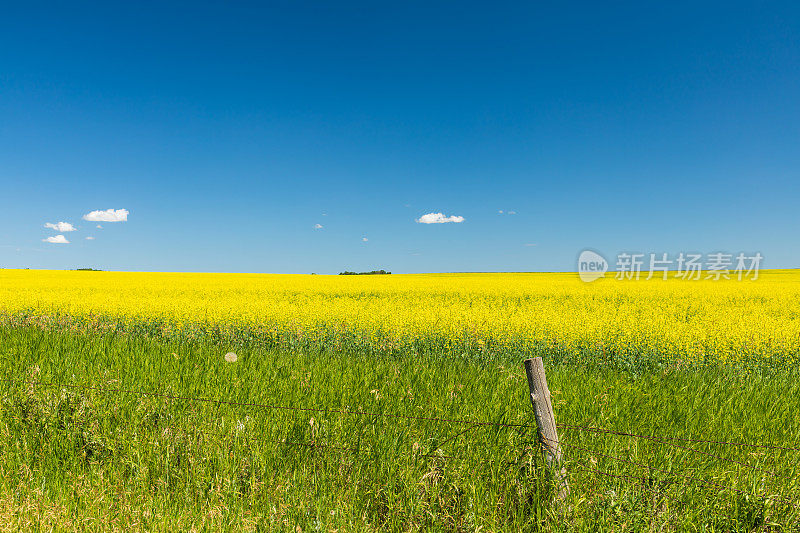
678,320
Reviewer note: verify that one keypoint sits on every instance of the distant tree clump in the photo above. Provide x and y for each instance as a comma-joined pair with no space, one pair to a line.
370,273
89,269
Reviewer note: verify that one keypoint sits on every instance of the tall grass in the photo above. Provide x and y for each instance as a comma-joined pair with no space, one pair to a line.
78,458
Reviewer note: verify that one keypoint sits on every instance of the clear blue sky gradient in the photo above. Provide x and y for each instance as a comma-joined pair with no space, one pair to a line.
229,130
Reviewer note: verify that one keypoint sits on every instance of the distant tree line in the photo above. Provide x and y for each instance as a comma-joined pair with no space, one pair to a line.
371,272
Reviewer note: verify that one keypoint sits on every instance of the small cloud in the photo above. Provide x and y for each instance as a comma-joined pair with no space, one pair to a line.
317,226
364,239
58,239
324,214
99,226
89,238
60,226
438,218
530,244
109,215
512,212
500,211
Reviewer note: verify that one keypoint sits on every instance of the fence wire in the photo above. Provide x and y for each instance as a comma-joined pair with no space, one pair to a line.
646,481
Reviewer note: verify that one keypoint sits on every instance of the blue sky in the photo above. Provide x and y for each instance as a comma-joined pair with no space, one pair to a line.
229,130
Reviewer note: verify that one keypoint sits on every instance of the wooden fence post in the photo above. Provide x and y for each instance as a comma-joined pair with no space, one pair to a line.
546,421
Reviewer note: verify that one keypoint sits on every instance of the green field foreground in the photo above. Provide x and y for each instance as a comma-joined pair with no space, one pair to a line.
81,448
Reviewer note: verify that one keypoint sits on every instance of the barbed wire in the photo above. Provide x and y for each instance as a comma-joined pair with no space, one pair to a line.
472,425
313,444
712,455
356,451
681,439
266,406
327,447
645,481
693,479
593,429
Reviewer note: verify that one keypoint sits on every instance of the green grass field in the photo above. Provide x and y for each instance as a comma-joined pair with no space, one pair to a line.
74,458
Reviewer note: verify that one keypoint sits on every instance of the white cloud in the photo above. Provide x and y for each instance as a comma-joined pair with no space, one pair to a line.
89,238
500,211
317,226
530,244
99,226
364,239
512,212
109,215
58,239
60,226
438,218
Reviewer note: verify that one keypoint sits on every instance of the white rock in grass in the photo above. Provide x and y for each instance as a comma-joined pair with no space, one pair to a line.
231,357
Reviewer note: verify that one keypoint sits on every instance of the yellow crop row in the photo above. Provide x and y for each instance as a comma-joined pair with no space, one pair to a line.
684,321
